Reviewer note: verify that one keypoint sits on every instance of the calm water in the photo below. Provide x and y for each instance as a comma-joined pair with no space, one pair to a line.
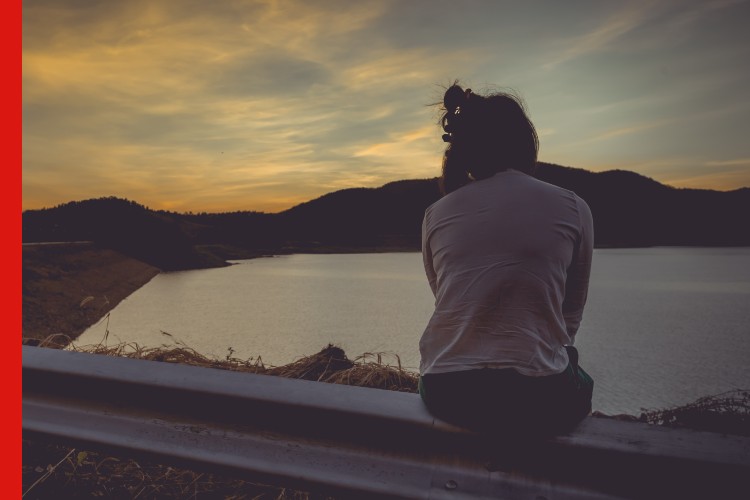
663,326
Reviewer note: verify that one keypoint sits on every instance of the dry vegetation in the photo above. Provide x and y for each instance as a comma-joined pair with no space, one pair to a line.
728,413
51,471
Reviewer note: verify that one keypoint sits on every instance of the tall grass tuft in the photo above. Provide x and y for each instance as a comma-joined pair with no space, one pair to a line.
728,412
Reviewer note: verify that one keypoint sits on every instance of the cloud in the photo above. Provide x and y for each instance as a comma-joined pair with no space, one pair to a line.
273,72
603,35
640,27
631,129
737,162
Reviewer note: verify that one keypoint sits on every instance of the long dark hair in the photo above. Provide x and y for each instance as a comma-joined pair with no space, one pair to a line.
485,135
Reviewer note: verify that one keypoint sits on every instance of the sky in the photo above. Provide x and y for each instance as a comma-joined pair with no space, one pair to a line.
229,105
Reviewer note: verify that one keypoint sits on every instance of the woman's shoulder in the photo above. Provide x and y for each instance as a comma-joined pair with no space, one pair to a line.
551,188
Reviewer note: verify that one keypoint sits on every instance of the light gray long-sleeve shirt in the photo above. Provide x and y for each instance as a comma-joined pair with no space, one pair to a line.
508,259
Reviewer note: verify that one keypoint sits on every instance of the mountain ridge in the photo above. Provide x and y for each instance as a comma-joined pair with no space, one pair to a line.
629,210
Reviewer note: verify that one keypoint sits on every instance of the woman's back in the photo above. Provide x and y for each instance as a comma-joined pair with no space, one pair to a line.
497,254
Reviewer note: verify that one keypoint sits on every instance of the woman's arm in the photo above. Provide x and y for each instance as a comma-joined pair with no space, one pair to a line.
427,258
577,281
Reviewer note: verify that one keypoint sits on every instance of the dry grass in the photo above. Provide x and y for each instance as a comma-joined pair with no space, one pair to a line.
727,413
329,365
86,474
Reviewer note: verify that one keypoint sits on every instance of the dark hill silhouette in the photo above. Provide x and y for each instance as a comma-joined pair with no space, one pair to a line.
157,238
633,210
389,216
629,210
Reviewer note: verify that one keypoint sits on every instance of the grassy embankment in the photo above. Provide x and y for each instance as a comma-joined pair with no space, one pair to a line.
69,287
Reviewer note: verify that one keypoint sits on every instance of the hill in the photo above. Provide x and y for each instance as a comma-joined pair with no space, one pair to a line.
629,210
161,239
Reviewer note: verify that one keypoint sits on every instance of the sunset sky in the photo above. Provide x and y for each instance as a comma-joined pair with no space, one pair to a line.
259,105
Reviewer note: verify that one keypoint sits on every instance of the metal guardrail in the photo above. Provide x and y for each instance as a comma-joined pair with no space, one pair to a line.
354,442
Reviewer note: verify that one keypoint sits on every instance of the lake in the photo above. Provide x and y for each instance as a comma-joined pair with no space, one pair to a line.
662,326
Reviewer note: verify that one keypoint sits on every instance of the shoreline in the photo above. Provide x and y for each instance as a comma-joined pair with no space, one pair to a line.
69,287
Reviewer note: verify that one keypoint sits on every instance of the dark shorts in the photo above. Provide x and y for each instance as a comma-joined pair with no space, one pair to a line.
504,402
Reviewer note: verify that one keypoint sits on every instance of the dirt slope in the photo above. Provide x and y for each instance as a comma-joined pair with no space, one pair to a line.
68,287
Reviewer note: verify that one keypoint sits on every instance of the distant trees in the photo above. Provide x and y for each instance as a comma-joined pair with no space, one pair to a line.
122,225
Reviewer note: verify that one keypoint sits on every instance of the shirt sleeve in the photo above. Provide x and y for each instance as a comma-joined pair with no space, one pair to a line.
427,258
577,281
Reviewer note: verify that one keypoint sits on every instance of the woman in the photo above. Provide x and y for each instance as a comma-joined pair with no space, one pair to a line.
508,259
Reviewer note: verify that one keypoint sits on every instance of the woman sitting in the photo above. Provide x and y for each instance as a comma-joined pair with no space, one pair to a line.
508,259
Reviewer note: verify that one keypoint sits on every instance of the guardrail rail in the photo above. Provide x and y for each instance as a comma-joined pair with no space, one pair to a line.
354,442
